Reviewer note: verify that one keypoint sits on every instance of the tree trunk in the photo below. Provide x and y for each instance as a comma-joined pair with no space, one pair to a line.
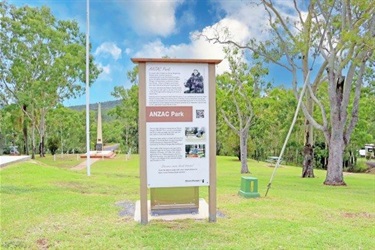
336,145
24,130
335,160
243,149
42,132
308,170
308,152
41,147
33,141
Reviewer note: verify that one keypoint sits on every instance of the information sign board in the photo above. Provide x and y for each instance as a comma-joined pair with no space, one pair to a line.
177,124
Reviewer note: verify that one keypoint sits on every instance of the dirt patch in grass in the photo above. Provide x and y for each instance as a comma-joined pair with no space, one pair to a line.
127,208
74,186
175,225
358,215
220,214
42,243
371,167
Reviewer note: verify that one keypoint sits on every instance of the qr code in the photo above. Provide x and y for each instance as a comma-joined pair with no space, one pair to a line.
200,113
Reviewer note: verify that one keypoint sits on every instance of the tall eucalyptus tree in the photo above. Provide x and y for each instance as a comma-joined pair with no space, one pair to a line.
42,62
340,35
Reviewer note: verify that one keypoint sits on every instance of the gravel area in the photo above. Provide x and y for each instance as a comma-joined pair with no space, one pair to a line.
127,208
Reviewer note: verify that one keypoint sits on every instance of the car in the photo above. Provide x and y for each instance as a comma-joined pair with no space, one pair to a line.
362,152
13,150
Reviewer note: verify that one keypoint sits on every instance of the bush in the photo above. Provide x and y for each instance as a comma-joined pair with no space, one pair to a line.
360,167
53,144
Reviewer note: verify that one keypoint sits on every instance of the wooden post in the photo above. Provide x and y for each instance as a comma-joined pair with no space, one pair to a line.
142,142
212,124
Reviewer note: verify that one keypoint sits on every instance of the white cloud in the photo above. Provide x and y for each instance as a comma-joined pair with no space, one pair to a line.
108,48
106,72
153,17
198,47
188,18
244,21
128,51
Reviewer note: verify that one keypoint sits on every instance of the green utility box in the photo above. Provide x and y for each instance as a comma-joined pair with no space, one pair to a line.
249,187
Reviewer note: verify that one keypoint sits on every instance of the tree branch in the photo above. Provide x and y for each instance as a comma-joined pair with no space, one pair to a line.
229,123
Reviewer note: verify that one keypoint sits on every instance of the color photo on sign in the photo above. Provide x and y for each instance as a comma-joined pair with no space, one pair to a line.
195,151
195,133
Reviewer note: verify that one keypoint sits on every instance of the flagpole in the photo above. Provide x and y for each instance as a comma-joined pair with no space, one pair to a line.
87,87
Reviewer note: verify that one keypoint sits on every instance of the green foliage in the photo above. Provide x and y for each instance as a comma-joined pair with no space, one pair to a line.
53,144
361,166
275,112
44,56
237,91
127,112
43,62
68,127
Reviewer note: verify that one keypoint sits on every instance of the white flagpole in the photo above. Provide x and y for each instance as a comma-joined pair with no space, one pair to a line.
290,130
87,87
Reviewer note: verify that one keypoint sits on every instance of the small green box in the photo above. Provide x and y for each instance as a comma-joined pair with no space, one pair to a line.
249,187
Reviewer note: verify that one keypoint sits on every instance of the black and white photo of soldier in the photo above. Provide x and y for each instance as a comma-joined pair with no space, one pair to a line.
195,83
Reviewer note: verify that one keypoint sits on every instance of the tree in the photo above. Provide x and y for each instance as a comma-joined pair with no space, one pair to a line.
341,34
67,127
236,91
53,144
349,28
128,110
42,62
274,112
10,125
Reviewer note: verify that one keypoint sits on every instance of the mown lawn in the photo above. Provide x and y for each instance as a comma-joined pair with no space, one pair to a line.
47,205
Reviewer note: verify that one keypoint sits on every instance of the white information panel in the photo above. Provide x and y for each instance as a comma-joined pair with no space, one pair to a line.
177,124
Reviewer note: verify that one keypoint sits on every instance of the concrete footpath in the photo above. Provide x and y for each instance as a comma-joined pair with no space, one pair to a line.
6,160
82,165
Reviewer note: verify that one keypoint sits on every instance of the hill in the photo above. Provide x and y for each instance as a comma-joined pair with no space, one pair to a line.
105,106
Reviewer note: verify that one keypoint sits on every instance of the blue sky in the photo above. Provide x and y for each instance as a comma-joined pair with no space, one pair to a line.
123,29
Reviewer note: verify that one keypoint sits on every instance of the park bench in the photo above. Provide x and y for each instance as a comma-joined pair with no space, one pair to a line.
273,160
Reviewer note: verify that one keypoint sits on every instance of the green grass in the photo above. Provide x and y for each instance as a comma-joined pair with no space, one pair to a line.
61,161
45,204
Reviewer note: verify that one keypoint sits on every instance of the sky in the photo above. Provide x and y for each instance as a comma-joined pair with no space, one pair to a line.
125,29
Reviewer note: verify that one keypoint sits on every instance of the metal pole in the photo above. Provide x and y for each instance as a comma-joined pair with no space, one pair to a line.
87,87
289,132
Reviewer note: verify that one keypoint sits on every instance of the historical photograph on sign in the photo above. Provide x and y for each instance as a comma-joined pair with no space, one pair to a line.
195,133
195,151
194,84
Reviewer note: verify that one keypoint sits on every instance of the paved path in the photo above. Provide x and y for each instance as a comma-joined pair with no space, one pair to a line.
9,159
82,165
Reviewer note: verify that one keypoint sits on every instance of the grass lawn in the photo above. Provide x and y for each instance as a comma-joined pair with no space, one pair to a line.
44,204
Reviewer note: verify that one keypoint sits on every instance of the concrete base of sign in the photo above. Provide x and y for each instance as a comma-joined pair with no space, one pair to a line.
9,159
201,215
100,154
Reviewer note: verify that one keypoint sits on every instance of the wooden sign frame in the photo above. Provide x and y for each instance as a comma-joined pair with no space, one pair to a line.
142,130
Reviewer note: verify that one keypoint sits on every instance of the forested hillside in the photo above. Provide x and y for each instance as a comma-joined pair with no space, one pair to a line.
106,107
94,106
